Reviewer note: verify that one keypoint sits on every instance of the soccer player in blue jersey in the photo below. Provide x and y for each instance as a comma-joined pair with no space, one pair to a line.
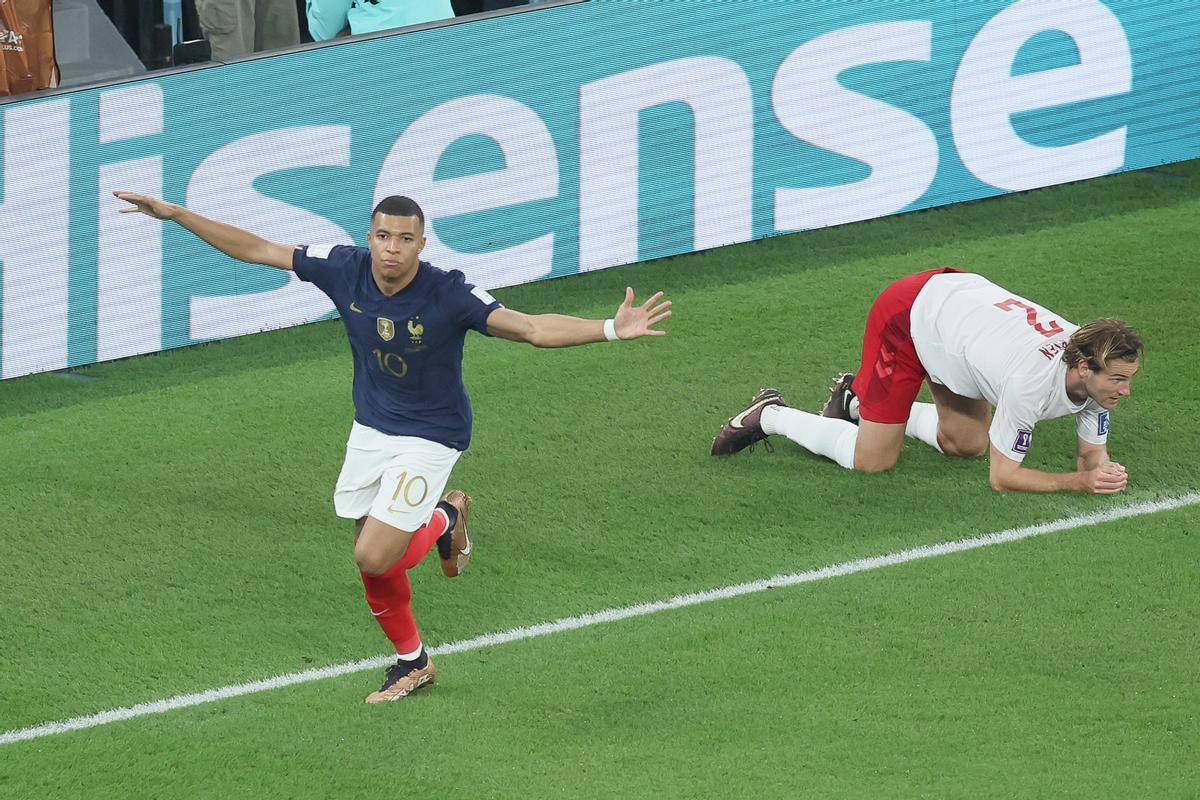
406,321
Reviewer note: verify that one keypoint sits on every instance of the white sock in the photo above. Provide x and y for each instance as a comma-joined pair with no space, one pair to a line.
413,656
825,436
923,424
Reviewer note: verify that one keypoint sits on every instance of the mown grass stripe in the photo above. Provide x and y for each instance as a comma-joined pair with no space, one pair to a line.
606,616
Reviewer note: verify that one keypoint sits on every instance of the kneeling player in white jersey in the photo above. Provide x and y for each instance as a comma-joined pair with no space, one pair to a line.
979,347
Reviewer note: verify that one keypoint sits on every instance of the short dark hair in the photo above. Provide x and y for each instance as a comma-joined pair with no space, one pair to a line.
396,206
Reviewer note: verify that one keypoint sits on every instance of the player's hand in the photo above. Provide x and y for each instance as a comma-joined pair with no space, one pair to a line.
144,204
633,321
1107,478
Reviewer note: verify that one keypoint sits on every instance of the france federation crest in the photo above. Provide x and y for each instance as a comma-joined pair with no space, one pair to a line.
415,330
386,328
1102,423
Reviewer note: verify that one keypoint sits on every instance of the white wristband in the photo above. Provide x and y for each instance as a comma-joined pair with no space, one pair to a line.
610,330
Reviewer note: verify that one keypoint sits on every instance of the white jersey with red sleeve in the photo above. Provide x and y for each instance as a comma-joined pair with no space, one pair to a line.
980,340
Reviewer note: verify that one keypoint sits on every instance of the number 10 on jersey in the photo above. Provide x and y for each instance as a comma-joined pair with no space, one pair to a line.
390,363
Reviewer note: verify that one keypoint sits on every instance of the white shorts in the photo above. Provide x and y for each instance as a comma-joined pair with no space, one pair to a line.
395,479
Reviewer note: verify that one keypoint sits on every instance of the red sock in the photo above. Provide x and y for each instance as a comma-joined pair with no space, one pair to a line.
423,539
389,594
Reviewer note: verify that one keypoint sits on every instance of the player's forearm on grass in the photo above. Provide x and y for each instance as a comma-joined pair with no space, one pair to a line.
230,240
1023,479
1090,460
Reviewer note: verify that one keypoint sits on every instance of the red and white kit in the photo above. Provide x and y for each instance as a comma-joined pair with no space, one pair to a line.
978,340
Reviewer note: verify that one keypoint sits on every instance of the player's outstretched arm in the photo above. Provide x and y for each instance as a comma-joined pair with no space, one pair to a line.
558,330
1006,475
232,241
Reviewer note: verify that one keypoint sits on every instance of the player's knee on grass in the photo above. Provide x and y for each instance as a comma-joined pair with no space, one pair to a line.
876,462
875,459
877,446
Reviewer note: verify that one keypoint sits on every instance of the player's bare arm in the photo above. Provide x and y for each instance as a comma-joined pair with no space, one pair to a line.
559,330
230,240
1089,456
1007,475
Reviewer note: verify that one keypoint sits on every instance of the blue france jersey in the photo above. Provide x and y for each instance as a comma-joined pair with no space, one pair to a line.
407,348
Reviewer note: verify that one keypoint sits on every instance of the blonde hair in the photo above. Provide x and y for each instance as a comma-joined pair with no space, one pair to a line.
1102,341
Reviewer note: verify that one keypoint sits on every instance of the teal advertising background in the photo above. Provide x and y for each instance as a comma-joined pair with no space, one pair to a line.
544,60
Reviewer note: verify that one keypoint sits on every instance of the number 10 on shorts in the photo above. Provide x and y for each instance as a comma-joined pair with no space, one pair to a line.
412,490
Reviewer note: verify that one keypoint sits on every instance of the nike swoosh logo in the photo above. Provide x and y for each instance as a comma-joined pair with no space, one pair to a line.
377,613
353,307
737,421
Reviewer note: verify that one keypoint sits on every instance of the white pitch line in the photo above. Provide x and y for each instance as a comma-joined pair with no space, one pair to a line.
600,617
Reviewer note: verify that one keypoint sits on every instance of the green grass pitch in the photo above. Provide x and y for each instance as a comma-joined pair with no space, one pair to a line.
168,528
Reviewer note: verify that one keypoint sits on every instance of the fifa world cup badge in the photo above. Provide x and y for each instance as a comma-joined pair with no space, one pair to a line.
386,328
